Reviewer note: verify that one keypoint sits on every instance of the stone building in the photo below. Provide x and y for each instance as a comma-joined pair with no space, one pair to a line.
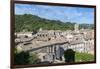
51,44
76,28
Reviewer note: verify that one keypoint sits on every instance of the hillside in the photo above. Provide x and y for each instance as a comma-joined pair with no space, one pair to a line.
28,22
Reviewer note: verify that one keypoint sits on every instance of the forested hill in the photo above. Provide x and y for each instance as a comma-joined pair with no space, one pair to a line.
28,22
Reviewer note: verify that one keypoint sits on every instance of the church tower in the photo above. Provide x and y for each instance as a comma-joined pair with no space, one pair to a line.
76,28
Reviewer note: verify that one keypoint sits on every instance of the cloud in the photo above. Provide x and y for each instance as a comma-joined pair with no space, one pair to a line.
72,14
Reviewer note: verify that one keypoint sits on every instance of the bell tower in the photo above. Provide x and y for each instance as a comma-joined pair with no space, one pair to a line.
76,27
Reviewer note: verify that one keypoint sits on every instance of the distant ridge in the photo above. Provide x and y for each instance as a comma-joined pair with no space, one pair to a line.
28,22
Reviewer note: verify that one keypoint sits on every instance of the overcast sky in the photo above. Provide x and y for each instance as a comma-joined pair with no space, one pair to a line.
64,14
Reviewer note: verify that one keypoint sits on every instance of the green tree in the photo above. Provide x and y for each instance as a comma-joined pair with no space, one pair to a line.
23,58
69,55
34,59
